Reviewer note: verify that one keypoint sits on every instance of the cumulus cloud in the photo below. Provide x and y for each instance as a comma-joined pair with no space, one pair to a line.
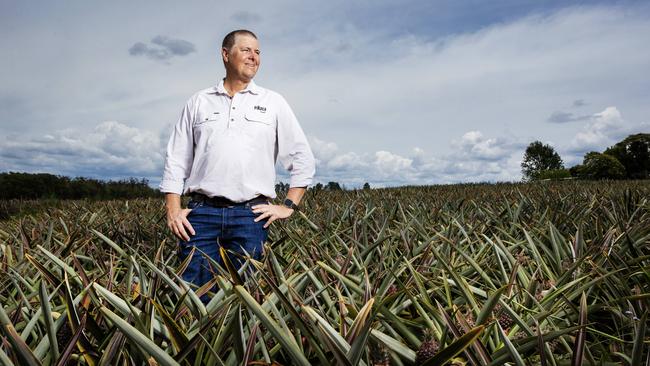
474,146
178,47
400,102
563,117
390,165
603,128
323,150
347,162
473,157
579,103
162,48
505,79
352,168
111,150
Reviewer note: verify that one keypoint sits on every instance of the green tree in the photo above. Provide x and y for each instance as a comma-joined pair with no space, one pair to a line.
600,166
634,153
43,185
538,158
333,186
366,185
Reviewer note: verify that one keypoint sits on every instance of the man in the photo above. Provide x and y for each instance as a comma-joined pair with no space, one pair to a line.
222,152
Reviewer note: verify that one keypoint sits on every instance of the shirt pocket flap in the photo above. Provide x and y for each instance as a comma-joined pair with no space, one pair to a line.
207,117
259,117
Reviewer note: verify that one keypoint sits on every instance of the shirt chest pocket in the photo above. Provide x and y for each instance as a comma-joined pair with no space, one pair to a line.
206,125
207,117
259,126
259,119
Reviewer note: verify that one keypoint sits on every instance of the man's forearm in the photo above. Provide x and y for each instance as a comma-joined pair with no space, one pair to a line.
295,194
172,201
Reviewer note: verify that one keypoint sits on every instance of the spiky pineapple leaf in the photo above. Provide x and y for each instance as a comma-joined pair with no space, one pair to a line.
454,348
18,345
286,340
140,339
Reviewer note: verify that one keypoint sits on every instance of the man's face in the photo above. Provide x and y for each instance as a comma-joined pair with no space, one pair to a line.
243,59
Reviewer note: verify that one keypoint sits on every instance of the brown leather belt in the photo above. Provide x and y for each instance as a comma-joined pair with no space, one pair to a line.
223,202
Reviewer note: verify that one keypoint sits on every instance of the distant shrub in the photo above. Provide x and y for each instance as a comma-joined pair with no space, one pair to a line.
599,166
554,174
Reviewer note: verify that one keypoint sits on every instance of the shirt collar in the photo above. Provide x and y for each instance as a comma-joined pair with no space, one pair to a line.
251,88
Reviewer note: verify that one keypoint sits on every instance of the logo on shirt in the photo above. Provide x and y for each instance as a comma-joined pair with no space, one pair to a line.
260,108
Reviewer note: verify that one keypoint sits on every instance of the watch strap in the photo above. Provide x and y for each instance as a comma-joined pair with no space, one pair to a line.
290,204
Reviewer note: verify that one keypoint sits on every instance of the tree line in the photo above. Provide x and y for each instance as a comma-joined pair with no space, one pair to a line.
627,159
42,185
282,188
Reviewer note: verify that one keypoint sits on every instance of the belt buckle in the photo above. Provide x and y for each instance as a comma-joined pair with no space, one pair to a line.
222,202
218,203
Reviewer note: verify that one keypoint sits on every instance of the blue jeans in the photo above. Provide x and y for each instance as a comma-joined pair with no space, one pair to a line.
232,228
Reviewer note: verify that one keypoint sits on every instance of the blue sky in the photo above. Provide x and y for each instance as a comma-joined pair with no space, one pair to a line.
392,93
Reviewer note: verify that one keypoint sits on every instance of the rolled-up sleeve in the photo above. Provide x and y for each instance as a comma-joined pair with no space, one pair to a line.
293,149
180,153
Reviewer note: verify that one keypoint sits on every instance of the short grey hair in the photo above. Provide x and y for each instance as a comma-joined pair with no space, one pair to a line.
229,39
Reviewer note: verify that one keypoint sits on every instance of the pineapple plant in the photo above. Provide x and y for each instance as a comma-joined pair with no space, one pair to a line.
415,258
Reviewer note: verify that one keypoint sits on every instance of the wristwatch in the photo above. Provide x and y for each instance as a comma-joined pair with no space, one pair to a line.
289,203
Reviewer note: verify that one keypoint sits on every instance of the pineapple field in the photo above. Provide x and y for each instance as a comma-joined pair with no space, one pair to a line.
545,273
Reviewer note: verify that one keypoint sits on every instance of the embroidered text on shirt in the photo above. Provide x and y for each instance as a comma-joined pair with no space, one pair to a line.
260,108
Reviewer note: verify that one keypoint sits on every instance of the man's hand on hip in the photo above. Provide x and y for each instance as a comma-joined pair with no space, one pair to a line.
177,217
271,212
179,225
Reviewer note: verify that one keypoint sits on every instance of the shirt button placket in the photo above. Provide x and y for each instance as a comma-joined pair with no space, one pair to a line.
231,112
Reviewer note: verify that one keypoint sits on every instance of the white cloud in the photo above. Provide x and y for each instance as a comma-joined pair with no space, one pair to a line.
347,161
111,150
323,151
603,129
472,158
478,158
474,146
162,48
506,79
390,102
390,165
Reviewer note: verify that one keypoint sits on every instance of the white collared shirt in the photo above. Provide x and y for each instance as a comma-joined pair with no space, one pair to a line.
228,147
